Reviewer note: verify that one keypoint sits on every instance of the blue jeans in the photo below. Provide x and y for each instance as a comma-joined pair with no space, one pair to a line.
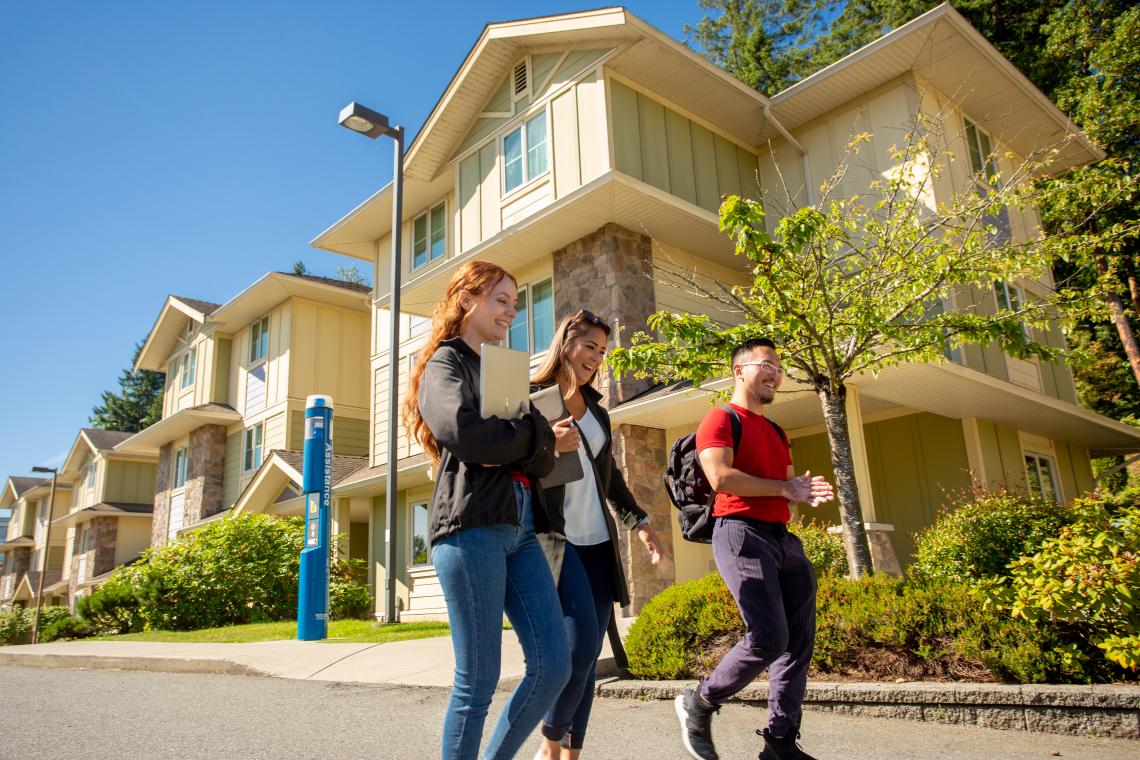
585,590
485,572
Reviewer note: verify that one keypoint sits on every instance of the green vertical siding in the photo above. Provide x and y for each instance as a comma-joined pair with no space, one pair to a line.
232,472
222,352
350,435
661,147
1001,453
813,453
129,482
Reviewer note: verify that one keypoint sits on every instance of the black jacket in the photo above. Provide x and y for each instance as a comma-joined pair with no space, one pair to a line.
473,487
611,489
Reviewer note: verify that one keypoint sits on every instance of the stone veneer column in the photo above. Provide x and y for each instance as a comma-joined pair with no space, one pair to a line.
161,496
640,452
205,473
101,545
609,272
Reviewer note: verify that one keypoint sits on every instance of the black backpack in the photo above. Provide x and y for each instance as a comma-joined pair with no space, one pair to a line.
689,489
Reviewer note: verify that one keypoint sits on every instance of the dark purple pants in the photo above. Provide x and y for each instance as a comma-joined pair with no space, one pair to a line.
773,583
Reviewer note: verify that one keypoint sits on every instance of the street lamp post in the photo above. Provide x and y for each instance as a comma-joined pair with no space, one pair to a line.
47,551
372,124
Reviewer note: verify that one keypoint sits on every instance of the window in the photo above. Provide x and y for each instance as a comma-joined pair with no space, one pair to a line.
251,458
91,474
1012,298
533,328
186,366
1039,472
429,236
180,462
259,340
981,151
525,155
420,554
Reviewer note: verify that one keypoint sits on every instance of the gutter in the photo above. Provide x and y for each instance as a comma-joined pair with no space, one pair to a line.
795,144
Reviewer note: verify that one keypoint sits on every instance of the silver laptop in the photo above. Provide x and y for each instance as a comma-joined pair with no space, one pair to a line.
504,382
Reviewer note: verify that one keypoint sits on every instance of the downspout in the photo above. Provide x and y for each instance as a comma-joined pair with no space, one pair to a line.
795,144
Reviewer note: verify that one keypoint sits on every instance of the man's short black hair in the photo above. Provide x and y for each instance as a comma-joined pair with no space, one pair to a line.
749,346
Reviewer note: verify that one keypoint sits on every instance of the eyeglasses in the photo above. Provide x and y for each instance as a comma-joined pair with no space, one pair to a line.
584,315
765,366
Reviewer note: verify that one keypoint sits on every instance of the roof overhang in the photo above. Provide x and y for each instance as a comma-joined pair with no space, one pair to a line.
612,197
125,511
194,527
644,54
163,337
238,312
373,481
261,493
946,389
81,448
20,542
60,585
175,426
945,50
24,591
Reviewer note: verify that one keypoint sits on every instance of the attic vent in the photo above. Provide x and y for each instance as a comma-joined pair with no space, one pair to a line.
520,78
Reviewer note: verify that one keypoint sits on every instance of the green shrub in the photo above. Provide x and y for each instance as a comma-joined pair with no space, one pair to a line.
983,533
824,550
15,626
671,635
349,601
239,570
113,608
67,628
1083,585
48,616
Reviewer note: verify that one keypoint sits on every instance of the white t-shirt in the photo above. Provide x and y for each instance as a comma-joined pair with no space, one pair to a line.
585,521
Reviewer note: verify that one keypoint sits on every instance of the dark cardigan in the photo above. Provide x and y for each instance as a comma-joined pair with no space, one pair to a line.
611,489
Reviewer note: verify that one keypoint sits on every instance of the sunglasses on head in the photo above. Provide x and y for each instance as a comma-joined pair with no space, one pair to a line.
584,315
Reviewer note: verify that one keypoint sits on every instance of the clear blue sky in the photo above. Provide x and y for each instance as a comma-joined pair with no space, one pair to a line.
137,137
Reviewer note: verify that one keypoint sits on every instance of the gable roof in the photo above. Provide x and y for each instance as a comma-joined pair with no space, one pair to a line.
20,485
90,441
943,48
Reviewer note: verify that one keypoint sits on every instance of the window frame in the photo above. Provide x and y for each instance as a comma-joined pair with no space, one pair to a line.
988,172
412,564
179,467
186,366
89,481
544,113
255,435
527,291
426,216
1012,293
1037,458
262,340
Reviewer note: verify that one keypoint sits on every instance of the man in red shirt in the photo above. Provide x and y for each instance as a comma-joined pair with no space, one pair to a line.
762,564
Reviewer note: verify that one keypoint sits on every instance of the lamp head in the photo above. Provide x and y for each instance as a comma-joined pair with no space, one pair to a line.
364,120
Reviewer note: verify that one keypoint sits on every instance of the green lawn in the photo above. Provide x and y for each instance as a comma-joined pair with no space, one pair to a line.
340,631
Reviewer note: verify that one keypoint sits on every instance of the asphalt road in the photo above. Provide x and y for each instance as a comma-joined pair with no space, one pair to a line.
52,714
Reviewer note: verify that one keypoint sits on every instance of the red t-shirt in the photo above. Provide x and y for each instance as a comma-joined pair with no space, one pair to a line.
761,453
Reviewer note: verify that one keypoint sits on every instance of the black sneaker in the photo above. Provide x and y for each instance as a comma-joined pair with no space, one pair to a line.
695,714
784,748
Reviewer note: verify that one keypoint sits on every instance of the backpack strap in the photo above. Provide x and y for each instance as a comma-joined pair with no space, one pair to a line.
737,426
780,430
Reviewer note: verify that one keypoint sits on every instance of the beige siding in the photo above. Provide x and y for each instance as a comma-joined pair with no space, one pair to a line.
129,482
523,203
329,353
276,365
380,429
133,536
671,268
665,148
231,484
223,355
350,435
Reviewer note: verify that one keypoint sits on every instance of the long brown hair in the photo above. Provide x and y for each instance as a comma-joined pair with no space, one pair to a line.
475,278
556,367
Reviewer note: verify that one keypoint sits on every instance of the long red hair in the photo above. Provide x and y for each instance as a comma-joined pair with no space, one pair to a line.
475,278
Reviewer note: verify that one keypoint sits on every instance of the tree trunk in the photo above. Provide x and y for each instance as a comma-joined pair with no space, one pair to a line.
1123,324
854,536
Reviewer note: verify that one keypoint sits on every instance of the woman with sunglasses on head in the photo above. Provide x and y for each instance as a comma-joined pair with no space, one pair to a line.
484,518
584,555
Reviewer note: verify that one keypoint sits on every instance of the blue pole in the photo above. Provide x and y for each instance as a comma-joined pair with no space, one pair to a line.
313,594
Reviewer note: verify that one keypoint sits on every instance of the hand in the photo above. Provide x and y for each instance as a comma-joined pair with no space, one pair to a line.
652,543
566,435
809,490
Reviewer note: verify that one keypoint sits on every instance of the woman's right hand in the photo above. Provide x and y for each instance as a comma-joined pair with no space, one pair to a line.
566,435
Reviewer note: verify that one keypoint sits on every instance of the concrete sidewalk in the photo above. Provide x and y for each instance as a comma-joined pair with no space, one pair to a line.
1101,710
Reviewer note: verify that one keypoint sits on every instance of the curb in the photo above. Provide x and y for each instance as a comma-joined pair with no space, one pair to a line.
148,664
1107,711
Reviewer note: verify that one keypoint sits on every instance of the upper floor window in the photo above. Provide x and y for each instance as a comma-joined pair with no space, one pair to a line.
181,459
1012,298
429,235
185,367
1041,471
251,451
525,155
533,328
981,151
259,340
91,474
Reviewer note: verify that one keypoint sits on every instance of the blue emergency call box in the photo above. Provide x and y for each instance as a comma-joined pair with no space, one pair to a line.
313,594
